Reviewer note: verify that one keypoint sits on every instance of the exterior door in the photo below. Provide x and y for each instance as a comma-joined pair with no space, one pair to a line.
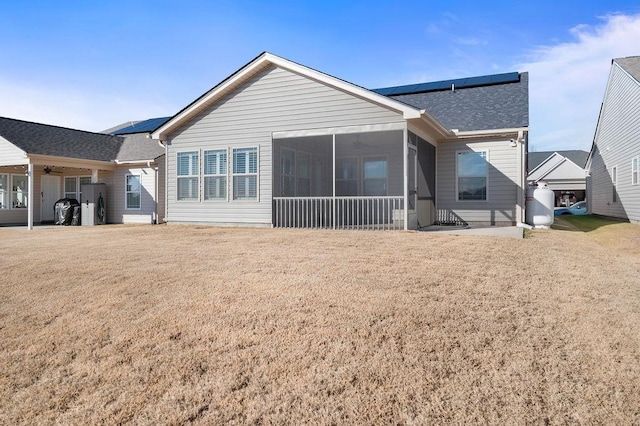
50,193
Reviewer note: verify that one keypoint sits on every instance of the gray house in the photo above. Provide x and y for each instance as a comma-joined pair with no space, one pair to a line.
613,185
280,144
563,171
40,164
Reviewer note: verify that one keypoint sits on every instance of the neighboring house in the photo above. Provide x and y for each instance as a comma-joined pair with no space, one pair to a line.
613,185
563,171
40,164
279,144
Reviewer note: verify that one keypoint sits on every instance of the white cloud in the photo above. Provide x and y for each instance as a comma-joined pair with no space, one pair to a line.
69,107
567,81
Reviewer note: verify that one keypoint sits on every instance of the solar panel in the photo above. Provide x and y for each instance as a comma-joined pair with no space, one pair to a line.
460,83
143,126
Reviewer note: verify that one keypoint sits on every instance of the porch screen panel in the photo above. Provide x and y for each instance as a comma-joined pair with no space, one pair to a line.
187,179
245,173
215,175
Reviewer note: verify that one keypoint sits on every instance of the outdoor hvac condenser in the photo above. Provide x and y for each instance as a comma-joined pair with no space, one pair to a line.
94,204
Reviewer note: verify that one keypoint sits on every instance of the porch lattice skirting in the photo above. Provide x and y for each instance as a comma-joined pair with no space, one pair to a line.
374,213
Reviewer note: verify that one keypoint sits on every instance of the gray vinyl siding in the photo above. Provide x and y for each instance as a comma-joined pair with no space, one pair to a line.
118,211
273,100
10,154
502,182
617,142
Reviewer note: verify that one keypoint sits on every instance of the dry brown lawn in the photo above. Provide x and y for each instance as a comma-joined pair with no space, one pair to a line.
177,324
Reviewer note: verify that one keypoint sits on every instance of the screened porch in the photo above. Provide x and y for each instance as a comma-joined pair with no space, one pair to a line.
345,181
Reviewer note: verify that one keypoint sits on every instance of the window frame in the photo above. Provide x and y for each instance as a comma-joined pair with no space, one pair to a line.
127,191
372,158
356,178
635,170
224,176
485,176
189,176
235,175
5,193
15,191
78,191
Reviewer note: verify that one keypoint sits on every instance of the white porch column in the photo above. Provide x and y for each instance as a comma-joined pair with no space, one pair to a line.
30,197
405,155
94,176
333,167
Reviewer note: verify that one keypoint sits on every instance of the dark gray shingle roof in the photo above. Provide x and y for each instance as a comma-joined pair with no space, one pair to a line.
44,139
631,65
139,147
495,106
577,156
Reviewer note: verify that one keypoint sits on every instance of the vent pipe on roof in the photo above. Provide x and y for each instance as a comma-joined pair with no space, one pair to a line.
453,87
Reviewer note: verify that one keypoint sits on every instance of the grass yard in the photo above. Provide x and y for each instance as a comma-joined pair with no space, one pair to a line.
175,325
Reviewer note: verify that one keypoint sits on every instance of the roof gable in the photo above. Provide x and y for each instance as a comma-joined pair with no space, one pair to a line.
578,157
556,166
267,59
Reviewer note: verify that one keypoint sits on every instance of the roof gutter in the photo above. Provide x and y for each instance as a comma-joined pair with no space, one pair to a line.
489,132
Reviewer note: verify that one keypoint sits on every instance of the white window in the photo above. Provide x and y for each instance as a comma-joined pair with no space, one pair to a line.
245,173
375,176
133,192
614,181
215,175
70,187
73,186
188,171
635,170
471,175
4,191
20,191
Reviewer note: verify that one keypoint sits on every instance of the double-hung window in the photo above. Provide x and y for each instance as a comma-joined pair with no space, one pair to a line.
347,176
375,176
215,174
635,171
471,175
133,192
20,192
4,191
295,173
245,173
188,175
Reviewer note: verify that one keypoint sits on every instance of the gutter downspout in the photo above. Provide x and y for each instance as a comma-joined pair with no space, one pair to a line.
30,197
166,177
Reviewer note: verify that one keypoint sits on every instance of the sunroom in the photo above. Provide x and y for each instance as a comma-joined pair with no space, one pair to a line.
352,180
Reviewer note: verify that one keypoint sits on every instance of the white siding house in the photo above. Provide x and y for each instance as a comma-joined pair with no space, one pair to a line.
280,144
614,160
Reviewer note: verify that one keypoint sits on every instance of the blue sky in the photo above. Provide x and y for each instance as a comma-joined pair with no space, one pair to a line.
92,65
